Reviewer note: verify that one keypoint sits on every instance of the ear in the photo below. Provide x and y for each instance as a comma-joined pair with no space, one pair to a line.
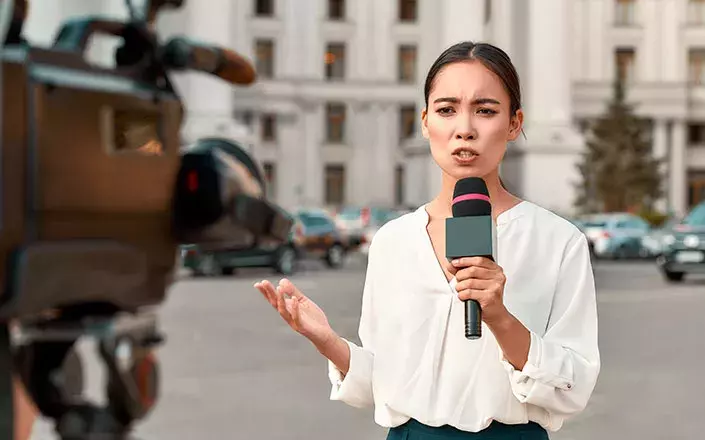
515,125
424,123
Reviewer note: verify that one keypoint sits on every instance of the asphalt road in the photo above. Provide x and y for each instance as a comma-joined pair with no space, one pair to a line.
231,369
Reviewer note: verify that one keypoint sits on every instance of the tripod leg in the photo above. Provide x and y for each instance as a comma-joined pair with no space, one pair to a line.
7,404
17,413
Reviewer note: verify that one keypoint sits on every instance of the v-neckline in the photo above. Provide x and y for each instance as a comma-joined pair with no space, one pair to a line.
432,251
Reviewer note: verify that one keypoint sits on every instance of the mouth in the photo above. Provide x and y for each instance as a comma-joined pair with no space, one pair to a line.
464,154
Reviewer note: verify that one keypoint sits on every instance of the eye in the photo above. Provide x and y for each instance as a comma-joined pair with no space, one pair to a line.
487,111
445,110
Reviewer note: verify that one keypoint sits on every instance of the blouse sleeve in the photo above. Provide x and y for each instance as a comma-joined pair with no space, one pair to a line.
563,364
355,388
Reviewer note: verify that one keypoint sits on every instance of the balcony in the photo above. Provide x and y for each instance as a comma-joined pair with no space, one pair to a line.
668,100
314,90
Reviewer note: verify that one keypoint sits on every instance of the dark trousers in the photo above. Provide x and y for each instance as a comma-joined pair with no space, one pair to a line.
414,430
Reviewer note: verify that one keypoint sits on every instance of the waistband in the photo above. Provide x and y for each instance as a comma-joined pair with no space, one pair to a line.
496,430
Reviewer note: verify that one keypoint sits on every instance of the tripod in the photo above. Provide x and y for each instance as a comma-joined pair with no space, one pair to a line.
46,361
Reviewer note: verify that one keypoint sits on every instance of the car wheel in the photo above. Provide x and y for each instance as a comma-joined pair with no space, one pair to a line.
673,276
208,266
285,263
228,270
335,256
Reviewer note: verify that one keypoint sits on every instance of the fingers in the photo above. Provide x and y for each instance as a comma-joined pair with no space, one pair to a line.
267,290
476,294
474,284
282,307
478,272
289,288
473,261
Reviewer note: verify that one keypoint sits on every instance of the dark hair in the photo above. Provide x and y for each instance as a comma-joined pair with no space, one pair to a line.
492,57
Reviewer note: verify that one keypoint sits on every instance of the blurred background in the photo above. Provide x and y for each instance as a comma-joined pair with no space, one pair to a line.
614,98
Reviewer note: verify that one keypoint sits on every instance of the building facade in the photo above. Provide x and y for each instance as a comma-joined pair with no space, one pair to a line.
334,116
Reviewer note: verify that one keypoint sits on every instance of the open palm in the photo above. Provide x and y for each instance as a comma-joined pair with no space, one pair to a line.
302,314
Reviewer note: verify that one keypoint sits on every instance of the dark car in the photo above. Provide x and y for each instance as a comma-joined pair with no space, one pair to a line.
684,246
314,235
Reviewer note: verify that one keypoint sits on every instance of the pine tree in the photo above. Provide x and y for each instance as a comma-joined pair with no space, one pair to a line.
618,170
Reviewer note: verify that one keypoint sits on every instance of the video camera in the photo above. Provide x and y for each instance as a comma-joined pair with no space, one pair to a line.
96,194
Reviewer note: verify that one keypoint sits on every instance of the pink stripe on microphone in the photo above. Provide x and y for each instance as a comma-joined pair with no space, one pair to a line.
465,197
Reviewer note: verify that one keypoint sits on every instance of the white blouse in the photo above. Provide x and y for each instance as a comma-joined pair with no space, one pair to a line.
415,361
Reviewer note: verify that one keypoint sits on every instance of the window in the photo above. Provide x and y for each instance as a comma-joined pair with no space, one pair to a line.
399,185
407,10
407,63
335,184
625,12
624,63
696,133
244,117
696,66
269,127
336,9
696,12
335,61
270,178
264,8
264,54
407,121
335,122
696,199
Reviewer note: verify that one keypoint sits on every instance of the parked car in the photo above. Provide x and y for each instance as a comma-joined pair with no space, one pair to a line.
653,242
615,235
684,247
314,235
360,224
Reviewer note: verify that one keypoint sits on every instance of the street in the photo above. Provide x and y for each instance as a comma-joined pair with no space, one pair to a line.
232,369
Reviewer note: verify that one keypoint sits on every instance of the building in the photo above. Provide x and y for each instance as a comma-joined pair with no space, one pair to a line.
341,90
334,118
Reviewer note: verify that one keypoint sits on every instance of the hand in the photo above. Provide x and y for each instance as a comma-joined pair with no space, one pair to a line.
481,279
302,314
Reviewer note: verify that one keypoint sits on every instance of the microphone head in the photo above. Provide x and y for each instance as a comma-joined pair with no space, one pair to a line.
471,198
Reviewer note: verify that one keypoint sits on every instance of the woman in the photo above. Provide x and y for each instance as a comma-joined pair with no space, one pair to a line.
537,361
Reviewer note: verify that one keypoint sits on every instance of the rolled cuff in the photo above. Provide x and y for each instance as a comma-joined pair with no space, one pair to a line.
355,388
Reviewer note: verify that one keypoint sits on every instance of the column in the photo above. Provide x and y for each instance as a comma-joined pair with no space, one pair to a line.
463,20
553,146
362,14
649,54
209,99
291,157
383,159
548,82
359,183
677,169
660,152
670,41
384,17
313,181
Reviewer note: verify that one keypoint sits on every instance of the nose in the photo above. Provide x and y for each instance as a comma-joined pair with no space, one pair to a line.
465,130
465,135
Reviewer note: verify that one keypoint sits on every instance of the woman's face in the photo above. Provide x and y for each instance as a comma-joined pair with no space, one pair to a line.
468,121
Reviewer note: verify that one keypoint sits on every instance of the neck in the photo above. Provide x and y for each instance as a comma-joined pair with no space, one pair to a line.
442,205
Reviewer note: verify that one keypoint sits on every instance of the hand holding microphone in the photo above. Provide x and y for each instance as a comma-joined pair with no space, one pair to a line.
480,281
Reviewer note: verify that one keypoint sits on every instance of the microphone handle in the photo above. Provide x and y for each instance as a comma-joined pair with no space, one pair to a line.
473,319
473,316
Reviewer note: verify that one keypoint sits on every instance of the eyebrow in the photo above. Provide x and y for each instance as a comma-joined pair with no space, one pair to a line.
474,102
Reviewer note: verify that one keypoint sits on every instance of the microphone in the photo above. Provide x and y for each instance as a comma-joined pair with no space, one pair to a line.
469,234
182,53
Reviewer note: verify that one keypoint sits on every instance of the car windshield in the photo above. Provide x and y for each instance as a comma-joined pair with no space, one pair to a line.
349,214
595,224
696,217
